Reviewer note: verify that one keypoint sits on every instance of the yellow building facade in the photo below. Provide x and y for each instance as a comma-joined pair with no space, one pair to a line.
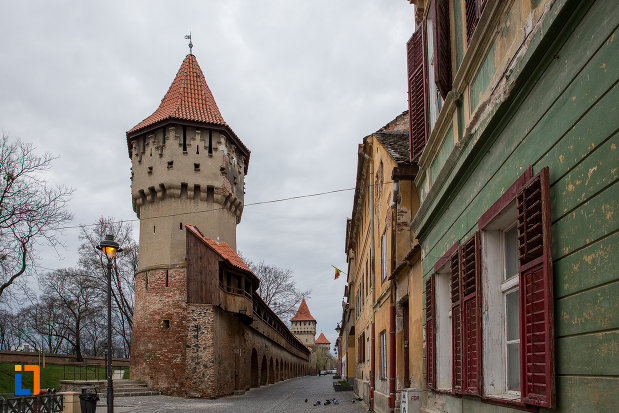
381,318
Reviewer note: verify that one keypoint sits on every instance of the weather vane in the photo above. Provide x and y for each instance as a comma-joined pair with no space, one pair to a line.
188,36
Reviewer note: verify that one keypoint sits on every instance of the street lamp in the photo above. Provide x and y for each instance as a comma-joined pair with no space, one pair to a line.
110,248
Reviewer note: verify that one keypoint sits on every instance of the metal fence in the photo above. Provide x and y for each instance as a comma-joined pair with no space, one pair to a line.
45,403
85,371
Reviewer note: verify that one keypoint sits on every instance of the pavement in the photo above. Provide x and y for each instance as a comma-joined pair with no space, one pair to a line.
283,397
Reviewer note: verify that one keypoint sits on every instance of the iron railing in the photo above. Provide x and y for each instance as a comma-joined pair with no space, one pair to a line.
45,403
84,371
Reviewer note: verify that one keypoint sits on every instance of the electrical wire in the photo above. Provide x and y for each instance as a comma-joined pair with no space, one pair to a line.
271,201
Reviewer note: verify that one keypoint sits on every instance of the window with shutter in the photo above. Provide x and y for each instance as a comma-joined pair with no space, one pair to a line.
470,282
417,94
456,321
518,345
473,12
442,46
430,337
536,295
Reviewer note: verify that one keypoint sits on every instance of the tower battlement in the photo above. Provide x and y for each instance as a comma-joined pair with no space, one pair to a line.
193,163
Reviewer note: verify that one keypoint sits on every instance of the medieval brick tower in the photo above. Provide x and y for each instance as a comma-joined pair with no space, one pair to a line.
303,325
188,167
200,328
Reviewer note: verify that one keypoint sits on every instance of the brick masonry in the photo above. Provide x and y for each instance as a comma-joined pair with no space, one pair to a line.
202,350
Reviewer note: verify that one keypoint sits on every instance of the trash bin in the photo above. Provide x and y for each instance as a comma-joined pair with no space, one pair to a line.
89,399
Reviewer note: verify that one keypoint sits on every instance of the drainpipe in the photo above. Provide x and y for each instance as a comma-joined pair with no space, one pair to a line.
391,372
372,282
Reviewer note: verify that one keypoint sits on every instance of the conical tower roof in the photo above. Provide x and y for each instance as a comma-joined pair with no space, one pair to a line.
190,101
303,313
322,339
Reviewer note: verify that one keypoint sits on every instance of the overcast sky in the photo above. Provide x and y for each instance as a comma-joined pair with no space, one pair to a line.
300,82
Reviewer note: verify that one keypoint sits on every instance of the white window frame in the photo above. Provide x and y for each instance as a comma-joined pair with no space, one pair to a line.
383,256
496,285
434,95
367,343
443,326
383,354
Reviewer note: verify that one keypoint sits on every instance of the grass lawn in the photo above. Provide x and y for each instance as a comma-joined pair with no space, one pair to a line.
50,376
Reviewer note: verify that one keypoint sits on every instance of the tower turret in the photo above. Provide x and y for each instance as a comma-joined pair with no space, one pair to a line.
303,325
188,166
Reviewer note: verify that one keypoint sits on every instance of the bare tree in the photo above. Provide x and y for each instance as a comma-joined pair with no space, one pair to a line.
277,289
8,330
79,301
124,267
31,211
47,322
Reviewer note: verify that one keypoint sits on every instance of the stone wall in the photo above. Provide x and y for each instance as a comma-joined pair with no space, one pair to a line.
24,357
159,329
202,351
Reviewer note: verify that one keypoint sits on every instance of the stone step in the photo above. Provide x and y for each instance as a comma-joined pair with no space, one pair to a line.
127,389
131,394
134,384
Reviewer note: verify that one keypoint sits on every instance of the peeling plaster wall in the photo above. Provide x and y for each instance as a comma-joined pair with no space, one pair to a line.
557,111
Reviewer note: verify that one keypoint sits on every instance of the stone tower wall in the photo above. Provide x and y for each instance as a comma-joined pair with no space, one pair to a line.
200,182
304,330
159,326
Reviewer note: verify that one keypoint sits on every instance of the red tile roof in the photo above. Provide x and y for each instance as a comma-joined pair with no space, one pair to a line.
188,98
223,249
303,314
322,339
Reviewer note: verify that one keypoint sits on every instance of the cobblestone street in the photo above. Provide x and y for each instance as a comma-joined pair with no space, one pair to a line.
284,397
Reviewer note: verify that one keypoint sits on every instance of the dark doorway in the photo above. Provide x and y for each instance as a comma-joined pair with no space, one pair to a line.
271,371
263,371
255,381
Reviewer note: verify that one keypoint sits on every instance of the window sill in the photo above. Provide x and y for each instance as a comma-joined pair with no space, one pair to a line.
508,401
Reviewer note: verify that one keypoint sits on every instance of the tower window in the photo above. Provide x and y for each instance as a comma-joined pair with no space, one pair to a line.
166,278
196,167
150,169
170,164
197,149
210,142
154,228
165,324
180,226
184,139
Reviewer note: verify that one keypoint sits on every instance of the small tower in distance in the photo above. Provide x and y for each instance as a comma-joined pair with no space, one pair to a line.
322,342
303,325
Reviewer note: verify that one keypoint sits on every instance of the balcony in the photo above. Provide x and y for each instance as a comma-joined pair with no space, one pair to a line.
235,300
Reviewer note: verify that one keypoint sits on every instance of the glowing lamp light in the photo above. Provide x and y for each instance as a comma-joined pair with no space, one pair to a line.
109,247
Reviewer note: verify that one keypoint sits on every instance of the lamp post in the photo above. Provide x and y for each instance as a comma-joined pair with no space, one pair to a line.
110,248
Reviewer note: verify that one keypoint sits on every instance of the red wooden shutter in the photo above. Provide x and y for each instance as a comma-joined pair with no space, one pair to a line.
536,295
442,46
417,99
430,335
471,315
456,321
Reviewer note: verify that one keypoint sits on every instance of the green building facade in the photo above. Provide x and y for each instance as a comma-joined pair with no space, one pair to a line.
514,129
